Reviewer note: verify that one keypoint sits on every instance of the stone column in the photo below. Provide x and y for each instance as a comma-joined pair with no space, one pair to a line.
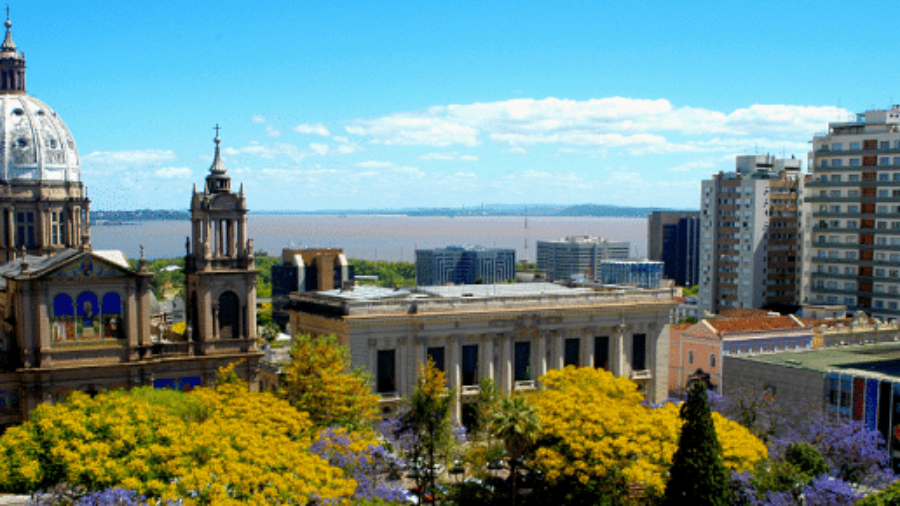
542,353
618,350
453,376
506,366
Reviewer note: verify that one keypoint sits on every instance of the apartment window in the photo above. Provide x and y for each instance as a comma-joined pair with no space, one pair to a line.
850,301
601,352
896,160
884,160
639,352
854,146
884,177
881,210
885,144
386,371
470,365
837,146
884,193
824,163
853,178
853,209
854,162
572,352
892,305
522,362
837,162
896,176
853,193
436,355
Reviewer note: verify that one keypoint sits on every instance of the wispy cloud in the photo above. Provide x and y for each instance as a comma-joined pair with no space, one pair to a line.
269,151
135,157
309,129
452,155
174,173
272,131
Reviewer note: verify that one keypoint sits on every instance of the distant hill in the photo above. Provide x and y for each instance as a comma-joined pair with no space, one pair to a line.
118,217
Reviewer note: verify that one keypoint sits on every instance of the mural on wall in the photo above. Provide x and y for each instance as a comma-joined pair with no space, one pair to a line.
9,400
87,268
86,318
185,384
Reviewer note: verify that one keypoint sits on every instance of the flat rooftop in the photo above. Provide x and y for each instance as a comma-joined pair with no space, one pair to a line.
873,360
368,300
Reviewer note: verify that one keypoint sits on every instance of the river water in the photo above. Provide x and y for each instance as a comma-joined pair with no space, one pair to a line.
379,237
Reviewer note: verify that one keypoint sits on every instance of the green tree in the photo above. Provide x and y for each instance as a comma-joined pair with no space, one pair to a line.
698,476
427,420
319,381
516,423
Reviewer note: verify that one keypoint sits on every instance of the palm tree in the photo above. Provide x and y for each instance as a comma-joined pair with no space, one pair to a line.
516,423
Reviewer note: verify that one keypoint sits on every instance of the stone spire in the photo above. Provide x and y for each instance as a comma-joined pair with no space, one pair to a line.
217,181
12,64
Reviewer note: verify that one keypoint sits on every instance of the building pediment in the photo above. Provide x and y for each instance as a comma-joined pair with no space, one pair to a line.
70,265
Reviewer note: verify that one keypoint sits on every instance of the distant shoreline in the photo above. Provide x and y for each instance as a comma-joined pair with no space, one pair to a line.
107,218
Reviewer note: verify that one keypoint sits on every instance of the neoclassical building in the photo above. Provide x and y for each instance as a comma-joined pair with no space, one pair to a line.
512,333
74,318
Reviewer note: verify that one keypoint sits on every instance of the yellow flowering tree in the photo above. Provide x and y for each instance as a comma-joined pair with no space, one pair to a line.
596,428
319,381
212,446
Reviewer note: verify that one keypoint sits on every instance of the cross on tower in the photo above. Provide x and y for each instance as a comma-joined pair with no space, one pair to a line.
217,129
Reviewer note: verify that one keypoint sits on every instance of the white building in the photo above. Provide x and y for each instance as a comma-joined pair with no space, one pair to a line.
853,215
750,235
578,256
512,333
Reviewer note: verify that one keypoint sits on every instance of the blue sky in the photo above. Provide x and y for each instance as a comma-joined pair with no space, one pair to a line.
348,105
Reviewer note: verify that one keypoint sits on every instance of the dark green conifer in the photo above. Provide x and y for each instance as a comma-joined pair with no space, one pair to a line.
698,477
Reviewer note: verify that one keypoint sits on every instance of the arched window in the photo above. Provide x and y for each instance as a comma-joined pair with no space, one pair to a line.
87,319
712,360
62,321
112,316
229,316
690,357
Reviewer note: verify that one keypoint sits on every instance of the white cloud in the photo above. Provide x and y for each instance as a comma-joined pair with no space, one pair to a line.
128,158
272,131
373,164
321,149
612,122
258,118
269,151
452,155
349,148
174,173
317,129
406,129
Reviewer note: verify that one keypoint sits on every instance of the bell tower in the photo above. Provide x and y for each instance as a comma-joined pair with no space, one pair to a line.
220,272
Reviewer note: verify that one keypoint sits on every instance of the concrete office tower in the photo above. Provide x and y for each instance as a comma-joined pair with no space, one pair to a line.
464,265
673,237
578,256
750,235
853,217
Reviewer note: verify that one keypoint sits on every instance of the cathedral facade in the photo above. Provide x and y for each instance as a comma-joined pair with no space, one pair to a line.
75,318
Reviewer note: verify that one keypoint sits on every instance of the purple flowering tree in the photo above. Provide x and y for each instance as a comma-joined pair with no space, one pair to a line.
372,468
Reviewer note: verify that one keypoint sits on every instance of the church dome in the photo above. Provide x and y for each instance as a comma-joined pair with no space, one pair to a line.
36,145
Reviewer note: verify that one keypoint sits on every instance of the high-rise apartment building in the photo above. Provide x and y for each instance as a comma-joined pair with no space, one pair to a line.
464,265
673,237
853,217
750,235
578,256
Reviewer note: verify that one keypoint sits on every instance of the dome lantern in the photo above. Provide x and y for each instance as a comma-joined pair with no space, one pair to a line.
12,64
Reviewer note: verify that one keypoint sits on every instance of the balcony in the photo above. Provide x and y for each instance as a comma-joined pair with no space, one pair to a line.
470,390
522,386
643,374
